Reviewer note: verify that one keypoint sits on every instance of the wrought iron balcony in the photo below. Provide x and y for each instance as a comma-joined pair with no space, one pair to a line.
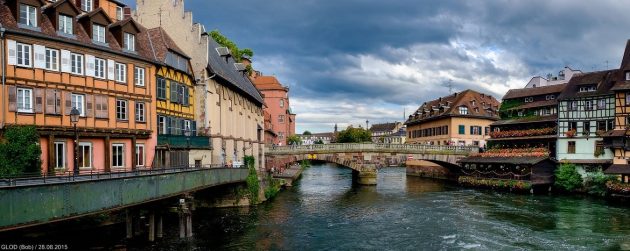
184,142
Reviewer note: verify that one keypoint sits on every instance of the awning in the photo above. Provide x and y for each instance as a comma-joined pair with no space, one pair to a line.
618,169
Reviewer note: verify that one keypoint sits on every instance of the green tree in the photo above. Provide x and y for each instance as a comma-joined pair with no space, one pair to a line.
319,142
354,135
307,132
225,42
294,140
595,182
20,152
567,177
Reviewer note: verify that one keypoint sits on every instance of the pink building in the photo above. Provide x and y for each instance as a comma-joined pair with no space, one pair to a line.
277,106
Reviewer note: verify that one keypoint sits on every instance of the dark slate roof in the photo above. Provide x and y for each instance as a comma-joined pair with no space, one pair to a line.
618,169
506,160
385,127
603,79
536,91
622,83
224,68
535,104
537,119
449,106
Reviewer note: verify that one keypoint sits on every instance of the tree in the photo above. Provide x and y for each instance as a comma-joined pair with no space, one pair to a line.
293,140
354,135
307,132
20,152
567,177
225,42
319,142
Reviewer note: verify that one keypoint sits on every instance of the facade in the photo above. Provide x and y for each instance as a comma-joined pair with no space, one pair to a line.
387,133
178,141
459,119
228,107
317,138
58,56
277,105
563,77
586,112
271,137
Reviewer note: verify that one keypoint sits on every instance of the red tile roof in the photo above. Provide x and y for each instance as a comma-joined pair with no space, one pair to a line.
486,107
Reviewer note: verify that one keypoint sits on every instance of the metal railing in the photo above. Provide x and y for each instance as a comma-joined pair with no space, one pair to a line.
30,179
358,147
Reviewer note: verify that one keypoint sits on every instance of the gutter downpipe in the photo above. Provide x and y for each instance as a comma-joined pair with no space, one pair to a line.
4,70
205,87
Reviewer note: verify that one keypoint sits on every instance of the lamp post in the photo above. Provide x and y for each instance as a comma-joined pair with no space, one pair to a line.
74,118
367,124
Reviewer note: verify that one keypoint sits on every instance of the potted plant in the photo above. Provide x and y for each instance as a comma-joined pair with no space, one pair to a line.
570,133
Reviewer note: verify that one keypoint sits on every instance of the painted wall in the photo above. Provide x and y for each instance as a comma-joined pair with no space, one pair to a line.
453,135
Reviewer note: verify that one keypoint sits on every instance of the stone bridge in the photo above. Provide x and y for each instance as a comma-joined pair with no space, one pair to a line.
366,158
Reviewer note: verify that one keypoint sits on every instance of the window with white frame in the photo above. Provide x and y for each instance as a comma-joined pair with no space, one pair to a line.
76,63
98,33
282,103
601,104
140,111
85,155
162,126
463,110
119,13
87,5
139,155
78,101
121,109
130,42
65,24
52,59
28,15
100,67
121,73
24,100
138,76
118,155
23,54
588,105
60,154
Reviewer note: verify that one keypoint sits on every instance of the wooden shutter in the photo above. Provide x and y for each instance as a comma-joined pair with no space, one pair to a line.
12,98
39,100
68,99
101,106
110,69
89,104
50,101
39,57
90,65
12,57
65,61
174,94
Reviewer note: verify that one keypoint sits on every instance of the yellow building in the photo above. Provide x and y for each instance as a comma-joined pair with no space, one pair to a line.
459,119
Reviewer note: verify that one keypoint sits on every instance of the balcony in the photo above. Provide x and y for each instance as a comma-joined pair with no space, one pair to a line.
184,142
549,131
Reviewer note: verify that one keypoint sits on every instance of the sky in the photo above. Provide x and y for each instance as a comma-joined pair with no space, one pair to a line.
348,61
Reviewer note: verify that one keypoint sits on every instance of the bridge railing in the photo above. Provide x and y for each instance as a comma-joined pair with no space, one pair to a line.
351,147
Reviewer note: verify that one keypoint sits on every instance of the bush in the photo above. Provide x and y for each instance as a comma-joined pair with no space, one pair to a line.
354,135
252,180
568,178
595,183
20,152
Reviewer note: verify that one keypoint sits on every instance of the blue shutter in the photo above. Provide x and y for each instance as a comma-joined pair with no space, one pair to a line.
185,98
182,126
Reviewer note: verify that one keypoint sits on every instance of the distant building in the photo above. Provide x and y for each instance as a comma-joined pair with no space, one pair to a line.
277,104
563,77
458,119
271,137
323,138
387,132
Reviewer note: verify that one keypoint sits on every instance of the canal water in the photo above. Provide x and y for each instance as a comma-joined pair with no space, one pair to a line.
325,211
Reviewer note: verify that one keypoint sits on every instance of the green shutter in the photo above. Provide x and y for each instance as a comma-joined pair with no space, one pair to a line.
462,129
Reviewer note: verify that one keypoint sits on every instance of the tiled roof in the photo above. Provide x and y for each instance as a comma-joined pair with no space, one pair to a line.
618,169
537,119
536,91
267,83
385,127
225,69
486,105
162,42
535,104
603,79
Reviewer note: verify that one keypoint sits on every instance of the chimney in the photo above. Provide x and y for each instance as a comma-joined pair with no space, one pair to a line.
126,12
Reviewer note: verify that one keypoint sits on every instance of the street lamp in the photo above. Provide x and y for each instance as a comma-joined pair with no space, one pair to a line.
74,118
367,124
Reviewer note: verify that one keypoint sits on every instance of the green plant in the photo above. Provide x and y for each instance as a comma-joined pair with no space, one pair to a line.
568,178
253,185
618,187
294,140
595,183
20,152
305,164
307,132
273,187
354,135
236,52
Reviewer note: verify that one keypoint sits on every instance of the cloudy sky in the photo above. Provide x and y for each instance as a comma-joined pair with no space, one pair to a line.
347,61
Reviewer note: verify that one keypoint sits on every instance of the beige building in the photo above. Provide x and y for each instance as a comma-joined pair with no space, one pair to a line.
459,119
228,107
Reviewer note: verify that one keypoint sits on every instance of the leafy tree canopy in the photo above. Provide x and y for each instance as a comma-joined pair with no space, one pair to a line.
19,151
354,135
568,178
294,140
307,132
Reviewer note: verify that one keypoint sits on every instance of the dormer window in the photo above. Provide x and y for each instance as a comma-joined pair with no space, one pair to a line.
463,110
130,42
65,24
119,13
473,103
590,88
529,99
98,33
627,75
550,97
87,5
28,15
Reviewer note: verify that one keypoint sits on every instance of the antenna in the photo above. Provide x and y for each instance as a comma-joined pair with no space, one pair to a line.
449,85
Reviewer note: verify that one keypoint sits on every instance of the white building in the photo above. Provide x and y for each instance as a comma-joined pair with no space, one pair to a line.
563,77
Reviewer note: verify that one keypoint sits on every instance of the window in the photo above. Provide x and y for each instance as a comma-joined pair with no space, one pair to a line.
85,155
546,111
139,111
139,155
611,124
628,75
601,125
121,73
52,59
119,13
602,104
188,127
572,105
98,33
65,24
121,109
161,88
282,103
76,62
130,42
588,105
99,67
473,103
87,5
24,100
572,125
475,130
599,148
520,113
590,88
23,55
78,101
28,15
487,130
162,126
60,154
462,129
586,127
281,118
463,110
118,155
550,97
571,147
529,99
139,76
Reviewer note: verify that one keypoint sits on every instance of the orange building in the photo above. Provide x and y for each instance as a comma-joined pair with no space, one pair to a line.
60,55
277,106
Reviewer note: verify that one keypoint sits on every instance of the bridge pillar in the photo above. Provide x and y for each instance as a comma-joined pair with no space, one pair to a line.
128,223
367,175
152,226
159,226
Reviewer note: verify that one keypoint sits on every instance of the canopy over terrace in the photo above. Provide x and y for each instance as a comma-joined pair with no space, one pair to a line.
538,170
